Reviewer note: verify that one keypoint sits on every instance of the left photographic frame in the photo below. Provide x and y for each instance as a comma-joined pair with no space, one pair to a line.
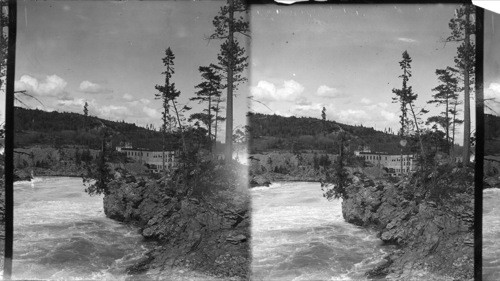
130,141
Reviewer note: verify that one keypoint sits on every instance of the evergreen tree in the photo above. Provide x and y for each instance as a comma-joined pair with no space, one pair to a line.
445,94
462,29
406,97
209,90
323,118
85,114
232,61
168,94
217,108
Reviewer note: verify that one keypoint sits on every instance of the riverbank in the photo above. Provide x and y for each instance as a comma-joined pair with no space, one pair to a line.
208,233
430,221
285,166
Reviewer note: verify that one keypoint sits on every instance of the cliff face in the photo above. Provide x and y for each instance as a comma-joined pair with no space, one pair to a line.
192,233
433,239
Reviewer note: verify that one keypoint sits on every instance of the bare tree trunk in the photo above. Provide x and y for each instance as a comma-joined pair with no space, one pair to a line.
180,127
418,130
229,108
210,122
447,129
216,120
164,129
466,152
454,125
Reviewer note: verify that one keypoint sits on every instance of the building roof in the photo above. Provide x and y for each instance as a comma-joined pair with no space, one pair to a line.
143,149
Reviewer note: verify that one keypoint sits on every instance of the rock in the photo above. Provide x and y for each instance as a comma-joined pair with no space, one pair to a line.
189,232
148,232
259,180
140,266
426,231
237,239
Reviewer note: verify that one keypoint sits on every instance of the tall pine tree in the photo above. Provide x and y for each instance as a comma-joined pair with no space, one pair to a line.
445,94
232,61
406,98
209,91
462,31
168,94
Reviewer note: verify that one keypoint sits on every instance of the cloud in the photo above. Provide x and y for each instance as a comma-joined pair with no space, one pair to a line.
492,99
113,112
366,101
52,86
407,40
495,87
351,115
128,97
93,88
389,116
151,112
266,91
303,101
327,92
314,110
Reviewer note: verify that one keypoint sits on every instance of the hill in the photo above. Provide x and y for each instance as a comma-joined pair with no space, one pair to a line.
491,134
38,127
274,132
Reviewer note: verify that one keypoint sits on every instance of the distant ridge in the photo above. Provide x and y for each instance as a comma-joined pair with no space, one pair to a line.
492,134
275,132
38,127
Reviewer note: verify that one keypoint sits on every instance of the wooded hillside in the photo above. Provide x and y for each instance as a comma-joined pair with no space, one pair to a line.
38,127
274,132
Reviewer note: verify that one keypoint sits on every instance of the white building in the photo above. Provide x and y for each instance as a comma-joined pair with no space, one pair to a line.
390,161
154,159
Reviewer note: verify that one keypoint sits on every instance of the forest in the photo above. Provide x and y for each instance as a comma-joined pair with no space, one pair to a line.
38,127
274,132
491,134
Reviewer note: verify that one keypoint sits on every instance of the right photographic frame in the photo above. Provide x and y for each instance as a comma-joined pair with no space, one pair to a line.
491,169
363,142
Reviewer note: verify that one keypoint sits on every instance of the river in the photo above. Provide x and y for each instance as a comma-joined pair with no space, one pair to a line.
61,233
299,235
491,234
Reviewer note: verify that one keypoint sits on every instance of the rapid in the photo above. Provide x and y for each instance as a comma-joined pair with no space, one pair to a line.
299,235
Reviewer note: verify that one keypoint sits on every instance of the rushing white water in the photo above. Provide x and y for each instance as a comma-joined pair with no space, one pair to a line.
491,234
61,233
299,235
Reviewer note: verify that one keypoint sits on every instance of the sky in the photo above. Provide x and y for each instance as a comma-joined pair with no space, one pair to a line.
346,58
342,57
492,62
109,54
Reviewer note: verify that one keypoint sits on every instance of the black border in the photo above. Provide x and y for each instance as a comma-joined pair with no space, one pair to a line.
9,141
348,2
479,158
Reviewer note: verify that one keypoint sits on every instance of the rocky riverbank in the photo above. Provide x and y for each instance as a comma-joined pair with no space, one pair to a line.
201,234
25,173
430,219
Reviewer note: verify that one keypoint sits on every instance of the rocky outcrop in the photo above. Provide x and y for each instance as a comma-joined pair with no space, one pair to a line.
433,238
192,233
259,180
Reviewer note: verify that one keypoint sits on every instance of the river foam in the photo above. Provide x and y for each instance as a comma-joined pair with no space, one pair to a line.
61,233
299,235
491,234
